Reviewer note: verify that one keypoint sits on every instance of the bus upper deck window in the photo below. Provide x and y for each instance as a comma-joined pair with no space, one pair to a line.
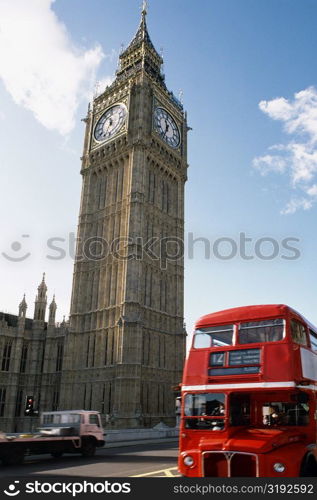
313,339
298,332
201,340
214,336
261,331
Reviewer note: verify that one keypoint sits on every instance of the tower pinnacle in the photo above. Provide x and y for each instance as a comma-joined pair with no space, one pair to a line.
41,301
145,6
52,312
141,53
22,308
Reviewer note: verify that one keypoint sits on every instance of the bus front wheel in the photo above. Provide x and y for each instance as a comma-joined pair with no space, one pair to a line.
309,467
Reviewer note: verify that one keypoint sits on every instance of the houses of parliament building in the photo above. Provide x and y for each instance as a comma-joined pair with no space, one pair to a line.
122,350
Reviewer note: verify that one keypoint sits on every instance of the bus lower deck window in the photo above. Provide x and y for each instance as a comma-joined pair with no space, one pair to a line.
285,414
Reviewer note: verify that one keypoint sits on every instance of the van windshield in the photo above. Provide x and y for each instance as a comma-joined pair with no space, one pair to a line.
61,418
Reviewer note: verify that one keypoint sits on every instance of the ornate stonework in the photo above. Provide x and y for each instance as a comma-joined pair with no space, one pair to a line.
31,358
126,345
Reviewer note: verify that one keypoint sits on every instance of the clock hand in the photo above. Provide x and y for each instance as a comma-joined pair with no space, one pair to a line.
166,128
110,123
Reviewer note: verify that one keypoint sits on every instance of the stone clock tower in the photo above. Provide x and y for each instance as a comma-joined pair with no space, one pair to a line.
126,345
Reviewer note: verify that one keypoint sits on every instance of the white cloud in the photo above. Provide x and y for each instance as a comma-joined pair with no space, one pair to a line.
295,204
270,163
298,157
312,191
40,66
279,108
299,115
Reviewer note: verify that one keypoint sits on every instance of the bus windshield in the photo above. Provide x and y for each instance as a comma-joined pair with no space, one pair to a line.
250,332
204,411
214,336
261,331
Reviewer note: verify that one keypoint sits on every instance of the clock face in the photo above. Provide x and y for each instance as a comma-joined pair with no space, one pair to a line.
166,126
110,123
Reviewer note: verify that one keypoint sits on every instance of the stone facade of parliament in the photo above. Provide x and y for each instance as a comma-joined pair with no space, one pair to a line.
123,348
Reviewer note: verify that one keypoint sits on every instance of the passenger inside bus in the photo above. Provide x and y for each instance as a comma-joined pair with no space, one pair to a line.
273,416
280,413
219,410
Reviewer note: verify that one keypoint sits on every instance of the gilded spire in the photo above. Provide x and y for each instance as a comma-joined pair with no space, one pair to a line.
145,7
141,53
142,34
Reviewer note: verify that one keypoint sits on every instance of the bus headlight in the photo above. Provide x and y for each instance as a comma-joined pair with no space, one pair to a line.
278,467
188,461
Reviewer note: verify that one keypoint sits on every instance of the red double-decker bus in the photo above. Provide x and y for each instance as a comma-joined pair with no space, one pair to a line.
249,395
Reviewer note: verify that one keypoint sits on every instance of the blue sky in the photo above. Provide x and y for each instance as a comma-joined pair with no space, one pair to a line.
247,72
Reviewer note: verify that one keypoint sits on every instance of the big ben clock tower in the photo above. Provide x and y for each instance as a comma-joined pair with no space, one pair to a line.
126,346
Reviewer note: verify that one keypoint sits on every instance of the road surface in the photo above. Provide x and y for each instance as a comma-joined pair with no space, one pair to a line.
146,460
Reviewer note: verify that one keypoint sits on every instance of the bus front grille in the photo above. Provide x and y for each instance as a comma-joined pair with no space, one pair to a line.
229,464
